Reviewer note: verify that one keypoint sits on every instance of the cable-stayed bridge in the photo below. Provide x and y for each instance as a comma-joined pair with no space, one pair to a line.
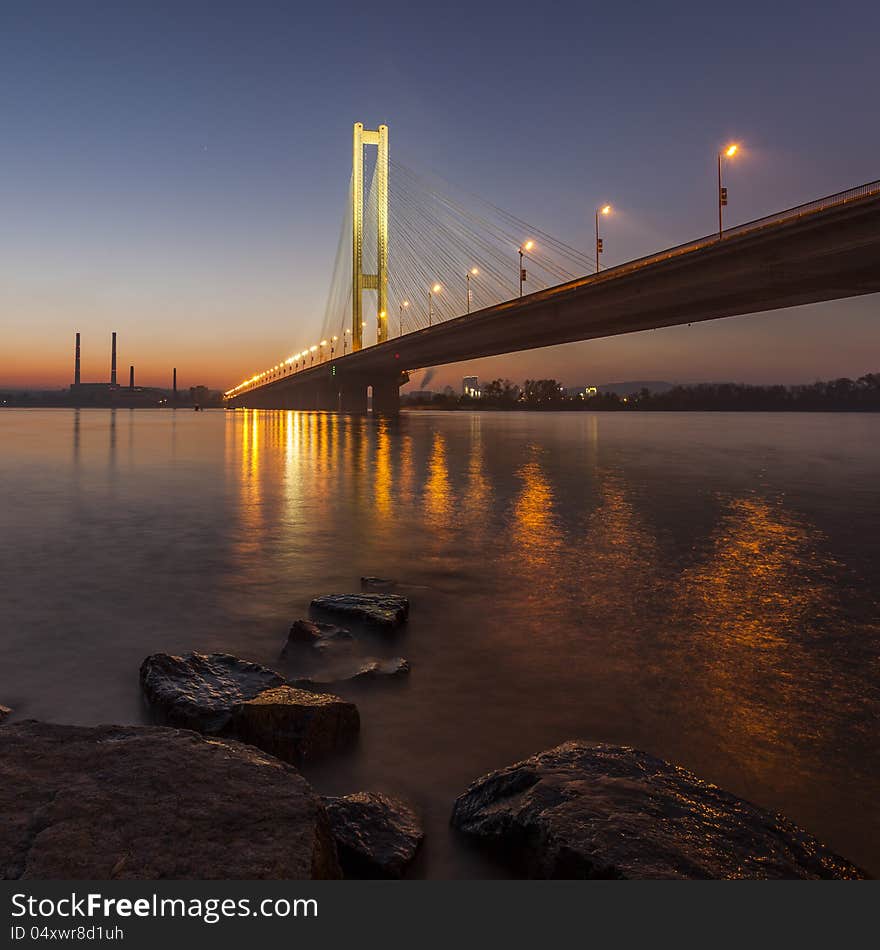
426,276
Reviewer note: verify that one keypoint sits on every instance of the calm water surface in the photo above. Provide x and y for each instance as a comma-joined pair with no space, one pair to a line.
702,586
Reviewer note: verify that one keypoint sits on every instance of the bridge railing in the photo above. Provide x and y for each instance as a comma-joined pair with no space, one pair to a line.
778,217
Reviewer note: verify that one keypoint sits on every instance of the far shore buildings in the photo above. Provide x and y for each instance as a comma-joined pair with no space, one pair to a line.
470,386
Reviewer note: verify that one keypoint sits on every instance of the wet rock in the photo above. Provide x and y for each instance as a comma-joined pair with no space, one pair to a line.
383,610
377,583
382,669
313,633
147,803
601,811
369,670
296,724
5,711
197,690
376,835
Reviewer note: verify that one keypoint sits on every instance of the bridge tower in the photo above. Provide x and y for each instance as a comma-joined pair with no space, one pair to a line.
360,280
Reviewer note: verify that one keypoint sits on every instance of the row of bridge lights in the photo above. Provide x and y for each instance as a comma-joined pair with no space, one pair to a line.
728,152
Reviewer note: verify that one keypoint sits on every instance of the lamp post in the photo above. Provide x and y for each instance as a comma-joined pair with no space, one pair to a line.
604,210
522,271
434,290
473,272
728,152
345,341
312,352
321,356
333,346
403,306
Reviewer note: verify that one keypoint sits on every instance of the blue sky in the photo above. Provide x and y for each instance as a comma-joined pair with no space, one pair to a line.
178,172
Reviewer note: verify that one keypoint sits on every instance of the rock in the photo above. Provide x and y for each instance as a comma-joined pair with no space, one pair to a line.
601,811
315,634
221,695
377,583
382,669
296,724
383,610
148,803
376,835
197,691
369,670
5,712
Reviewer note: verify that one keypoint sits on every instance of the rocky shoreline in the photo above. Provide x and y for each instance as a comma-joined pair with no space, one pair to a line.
213,791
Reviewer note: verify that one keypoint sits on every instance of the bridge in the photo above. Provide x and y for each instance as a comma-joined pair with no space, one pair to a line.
824,250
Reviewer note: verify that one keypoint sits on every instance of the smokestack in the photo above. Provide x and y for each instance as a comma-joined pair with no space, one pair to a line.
113,361
131,377
76,364
174,381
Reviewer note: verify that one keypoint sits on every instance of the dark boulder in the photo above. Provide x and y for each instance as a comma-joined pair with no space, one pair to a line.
377,583
582,810
368,671
376,835
197,690
316,634
5,712
382,610
394,668
221,695
148,803
296,724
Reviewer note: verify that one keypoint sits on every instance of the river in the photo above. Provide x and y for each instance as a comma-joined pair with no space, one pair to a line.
703,586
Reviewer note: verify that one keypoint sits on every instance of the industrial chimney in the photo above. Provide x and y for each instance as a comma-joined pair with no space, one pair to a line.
174,383
131,377
113,361
76,363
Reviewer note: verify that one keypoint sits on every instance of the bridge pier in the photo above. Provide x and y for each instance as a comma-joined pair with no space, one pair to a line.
352,397
386,397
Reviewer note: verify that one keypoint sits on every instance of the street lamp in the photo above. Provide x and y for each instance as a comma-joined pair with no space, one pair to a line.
322,344
522,271
604,210
345,341
434,290
312,351
728,152
333,346
403,306
473,272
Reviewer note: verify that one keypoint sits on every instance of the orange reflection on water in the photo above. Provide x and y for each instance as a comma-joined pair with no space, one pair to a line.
438,498
535,535
752,604
383,478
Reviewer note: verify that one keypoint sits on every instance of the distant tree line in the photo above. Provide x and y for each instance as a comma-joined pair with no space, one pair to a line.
838,395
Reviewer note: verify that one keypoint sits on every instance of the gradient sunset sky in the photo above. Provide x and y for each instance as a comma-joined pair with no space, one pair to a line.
178,171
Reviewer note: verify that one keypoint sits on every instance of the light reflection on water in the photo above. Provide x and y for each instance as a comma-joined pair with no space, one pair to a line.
702,586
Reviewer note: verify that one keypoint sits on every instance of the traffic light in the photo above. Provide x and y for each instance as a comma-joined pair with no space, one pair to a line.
522,274
723,197
600,245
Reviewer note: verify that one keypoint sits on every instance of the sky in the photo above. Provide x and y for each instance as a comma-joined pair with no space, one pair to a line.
178,172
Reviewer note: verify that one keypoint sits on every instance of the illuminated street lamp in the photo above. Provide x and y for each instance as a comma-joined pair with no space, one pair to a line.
321,356
403,306
473,272
522,271
333,346
345,341
604,210
312,352
434,290
728,152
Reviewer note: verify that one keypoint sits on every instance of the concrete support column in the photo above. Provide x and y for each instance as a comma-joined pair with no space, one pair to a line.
352,397
386,397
